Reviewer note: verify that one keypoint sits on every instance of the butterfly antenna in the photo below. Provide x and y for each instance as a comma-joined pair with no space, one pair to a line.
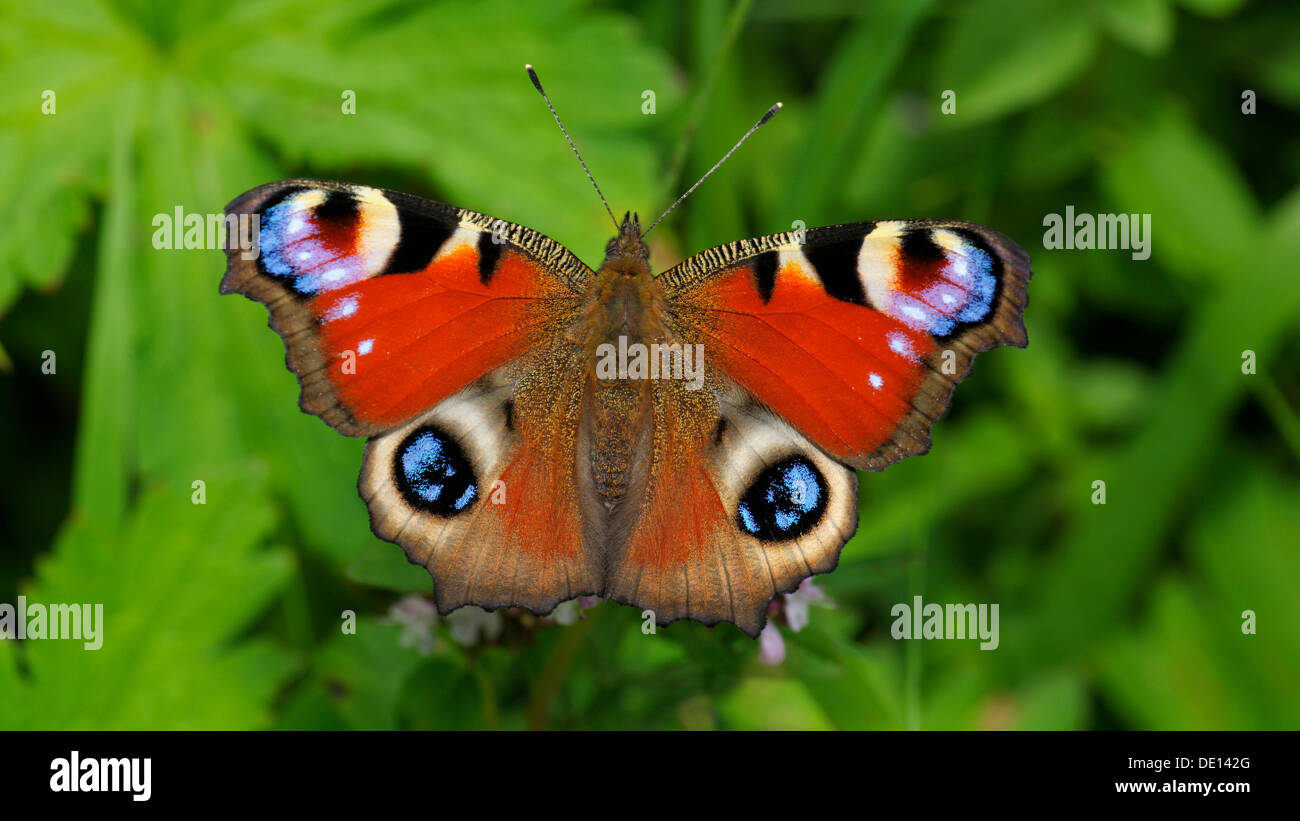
771,112
538,83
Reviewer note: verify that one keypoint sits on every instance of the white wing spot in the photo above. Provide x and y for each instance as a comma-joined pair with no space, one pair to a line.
900,345
344,308
913,312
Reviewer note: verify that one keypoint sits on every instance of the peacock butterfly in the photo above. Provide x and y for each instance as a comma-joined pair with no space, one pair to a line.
511,457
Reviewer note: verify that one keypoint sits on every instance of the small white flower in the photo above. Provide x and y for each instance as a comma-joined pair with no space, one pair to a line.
470,625
417,617
566,612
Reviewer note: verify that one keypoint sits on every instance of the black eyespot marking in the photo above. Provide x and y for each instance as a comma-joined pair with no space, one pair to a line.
785,501
339,206
489,253
918,246
837,268
433,473
510,414
719,430
419,238
765,274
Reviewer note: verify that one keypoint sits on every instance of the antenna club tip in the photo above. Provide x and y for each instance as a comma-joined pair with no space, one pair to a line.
528,67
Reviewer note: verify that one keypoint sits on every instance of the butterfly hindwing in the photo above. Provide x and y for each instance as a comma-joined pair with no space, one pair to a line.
856,334
482,489
741,507
389,303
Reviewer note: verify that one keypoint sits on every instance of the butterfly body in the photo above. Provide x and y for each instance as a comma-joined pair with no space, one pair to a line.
684,442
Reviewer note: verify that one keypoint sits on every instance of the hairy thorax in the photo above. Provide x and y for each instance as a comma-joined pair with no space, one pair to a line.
627,309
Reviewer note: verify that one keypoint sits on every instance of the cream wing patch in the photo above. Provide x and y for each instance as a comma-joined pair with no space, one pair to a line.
379,229
878,262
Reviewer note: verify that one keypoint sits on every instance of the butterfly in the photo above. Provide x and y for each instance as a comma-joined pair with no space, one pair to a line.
684,443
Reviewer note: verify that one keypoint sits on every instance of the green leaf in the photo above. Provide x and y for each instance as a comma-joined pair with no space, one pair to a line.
103,447
1003,55
481,134
854,687
771,704
360,676
1281,73
178,585
848,97
52,96
1203,219
1101,559
1213,8
385,565
1144,25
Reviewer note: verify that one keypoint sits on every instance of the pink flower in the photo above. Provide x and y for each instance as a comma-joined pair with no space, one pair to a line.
792,609
796,603
771,647
568,612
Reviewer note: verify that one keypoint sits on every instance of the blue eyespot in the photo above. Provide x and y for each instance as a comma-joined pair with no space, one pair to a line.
433,473
785,501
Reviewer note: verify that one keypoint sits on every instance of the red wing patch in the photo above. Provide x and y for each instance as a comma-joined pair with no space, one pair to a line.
841,373
397,345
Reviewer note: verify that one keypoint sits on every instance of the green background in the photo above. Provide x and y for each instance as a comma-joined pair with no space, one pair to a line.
227,614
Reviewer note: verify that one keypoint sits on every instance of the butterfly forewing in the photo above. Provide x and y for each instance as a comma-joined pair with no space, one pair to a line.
389,303
856,334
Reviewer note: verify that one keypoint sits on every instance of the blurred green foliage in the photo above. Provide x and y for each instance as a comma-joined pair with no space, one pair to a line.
227,614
